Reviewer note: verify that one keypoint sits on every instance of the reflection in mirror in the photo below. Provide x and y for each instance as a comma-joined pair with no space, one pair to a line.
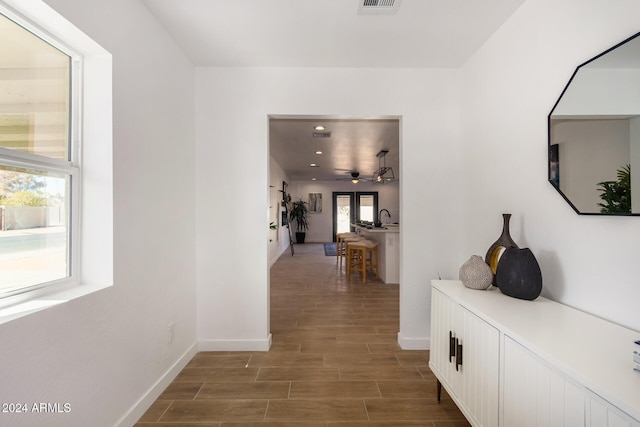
594,134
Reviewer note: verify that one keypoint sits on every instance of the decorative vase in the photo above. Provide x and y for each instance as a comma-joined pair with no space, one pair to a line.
475,273
519,274
498,247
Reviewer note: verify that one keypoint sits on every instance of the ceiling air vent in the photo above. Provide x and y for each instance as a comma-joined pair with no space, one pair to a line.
378,7
322,134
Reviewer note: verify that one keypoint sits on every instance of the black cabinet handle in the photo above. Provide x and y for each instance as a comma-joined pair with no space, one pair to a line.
452,346
458,354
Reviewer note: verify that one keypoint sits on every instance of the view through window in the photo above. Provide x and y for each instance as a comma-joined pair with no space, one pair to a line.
37,165
366,207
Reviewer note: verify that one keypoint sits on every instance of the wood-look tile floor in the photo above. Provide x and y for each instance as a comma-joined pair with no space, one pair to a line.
335,361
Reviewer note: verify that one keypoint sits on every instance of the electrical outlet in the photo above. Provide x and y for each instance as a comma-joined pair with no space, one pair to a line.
172,332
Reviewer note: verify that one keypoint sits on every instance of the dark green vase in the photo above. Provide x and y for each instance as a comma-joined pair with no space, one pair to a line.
519,274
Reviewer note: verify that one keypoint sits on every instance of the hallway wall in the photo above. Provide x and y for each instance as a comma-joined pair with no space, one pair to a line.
107,352
510,86
232,109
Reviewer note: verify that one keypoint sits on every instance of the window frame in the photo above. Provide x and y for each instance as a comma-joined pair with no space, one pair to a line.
72,166
374,195
92,269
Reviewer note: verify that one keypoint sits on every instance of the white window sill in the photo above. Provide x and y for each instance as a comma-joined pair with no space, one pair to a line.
19,309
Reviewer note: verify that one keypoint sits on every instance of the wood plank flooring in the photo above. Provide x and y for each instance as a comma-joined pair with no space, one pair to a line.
334,361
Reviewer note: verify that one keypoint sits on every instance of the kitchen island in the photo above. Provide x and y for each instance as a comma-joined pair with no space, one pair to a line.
388,239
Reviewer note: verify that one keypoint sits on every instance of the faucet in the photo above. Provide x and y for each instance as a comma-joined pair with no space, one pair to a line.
380,214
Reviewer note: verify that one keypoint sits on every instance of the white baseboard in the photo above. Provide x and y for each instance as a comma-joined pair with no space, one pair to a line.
275,258
407,343
235,345
141,406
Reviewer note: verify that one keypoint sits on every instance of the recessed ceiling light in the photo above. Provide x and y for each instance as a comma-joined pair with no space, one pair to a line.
319,127
318,152
313,179
313,165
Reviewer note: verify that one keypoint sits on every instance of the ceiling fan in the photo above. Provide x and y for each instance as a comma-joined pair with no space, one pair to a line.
355,177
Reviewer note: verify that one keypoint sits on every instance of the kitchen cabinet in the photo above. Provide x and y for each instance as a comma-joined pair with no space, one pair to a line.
531,363
388,240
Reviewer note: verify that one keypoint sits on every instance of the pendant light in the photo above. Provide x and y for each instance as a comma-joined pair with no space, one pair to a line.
384,173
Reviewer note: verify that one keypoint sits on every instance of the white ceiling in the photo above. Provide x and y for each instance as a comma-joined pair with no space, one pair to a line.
331,33
352,146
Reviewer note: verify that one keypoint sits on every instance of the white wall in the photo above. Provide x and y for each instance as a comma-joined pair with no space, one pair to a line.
278,239
232,108
105,352
511,84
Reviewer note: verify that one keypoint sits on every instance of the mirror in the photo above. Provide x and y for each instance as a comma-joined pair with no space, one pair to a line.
594,134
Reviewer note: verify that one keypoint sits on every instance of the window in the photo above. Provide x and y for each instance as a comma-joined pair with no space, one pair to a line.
367,206
39,167
350,207
76,199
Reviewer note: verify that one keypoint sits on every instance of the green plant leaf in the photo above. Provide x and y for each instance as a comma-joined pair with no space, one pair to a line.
616,195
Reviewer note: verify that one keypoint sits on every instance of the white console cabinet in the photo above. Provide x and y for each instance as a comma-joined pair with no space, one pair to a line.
512,363
467,359
535,394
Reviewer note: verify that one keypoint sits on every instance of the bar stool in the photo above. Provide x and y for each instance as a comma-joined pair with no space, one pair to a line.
339,244
344,240
361,256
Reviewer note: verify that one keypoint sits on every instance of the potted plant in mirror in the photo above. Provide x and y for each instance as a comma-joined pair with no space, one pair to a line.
616,195
298,214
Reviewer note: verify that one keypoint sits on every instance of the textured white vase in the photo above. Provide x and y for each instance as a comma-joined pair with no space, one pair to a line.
476,274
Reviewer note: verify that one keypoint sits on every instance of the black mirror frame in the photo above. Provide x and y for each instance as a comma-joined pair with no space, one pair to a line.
549,142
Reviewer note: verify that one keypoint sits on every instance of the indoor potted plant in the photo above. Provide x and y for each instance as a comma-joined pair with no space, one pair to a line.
616,194
299,213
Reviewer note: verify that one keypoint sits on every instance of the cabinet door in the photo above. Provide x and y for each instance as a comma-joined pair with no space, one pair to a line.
480,369
443,315
535,395
602,414
474,384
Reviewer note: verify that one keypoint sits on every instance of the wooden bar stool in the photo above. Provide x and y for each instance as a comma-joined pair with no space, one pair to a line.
342,249
361,256
340,244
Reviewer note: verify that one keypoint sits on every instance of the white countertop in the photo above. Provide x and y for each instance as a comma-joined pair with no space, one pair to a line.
386,228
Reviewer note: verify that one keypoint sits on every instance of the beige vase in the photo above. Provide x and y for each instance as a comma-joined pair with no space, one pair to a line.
476,274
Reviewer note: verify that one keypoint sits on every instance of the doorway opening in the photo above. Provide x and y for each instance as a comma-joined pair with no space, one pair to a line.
326,154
